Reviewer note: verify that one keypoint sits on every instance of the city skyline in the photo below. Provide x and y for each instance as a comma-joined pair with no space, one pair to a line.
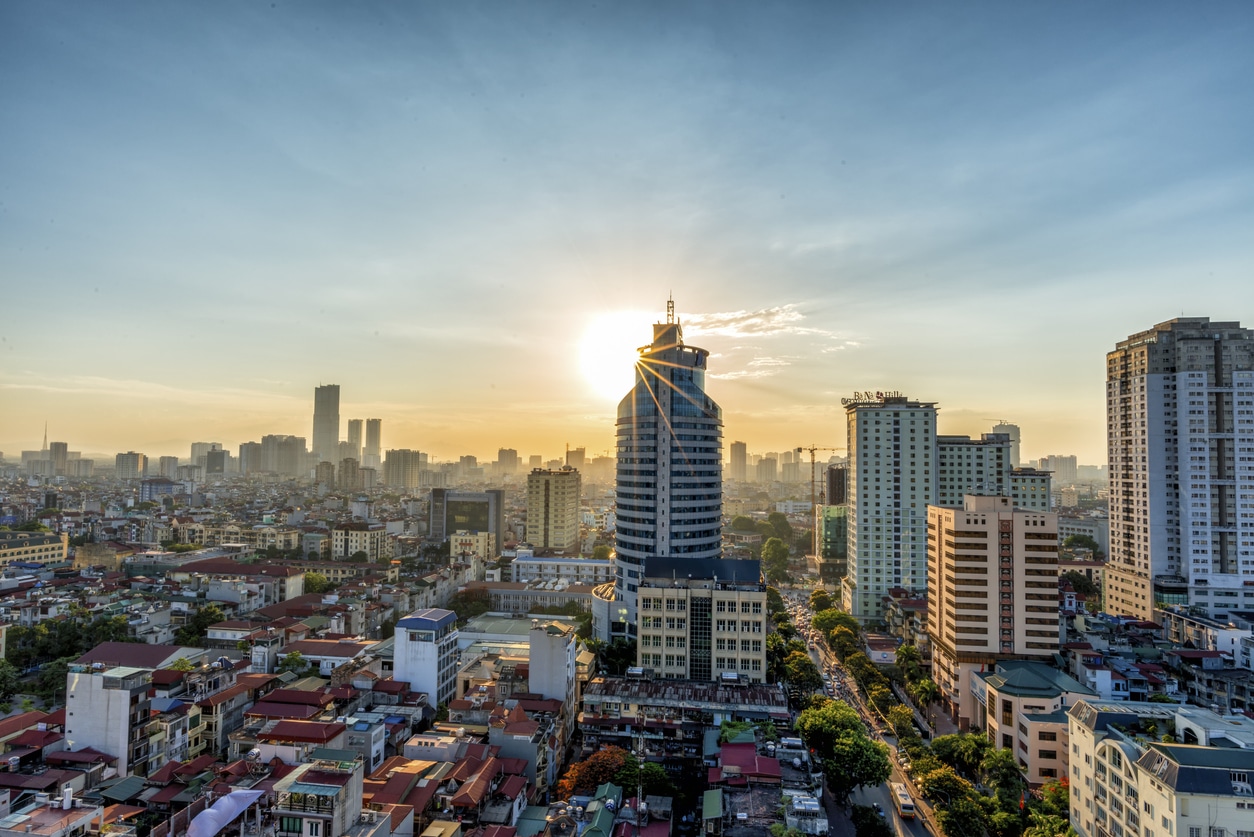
463,217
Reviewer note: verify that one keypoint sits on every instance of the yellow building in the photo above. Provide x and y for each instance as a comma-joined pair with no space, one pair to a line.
33,548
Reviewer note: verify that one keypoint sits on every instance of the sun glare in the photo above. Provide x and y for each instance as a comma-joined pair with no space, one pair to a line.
607,352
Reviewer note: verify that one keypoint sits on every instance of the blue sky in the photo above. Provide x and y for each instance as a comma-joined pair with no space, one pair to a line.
208,209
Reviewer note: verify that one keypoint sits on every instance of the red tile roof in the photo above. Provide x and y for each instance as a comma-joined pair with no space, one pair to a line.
311,732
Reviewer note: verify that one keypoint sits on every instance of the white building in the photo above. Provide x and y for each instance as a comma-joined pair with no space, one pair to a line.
1180,437
891,483
528,568
425,654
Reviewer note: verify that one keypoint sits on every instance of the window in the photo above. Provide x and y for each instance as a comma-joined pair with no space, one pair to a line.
315,828
291,825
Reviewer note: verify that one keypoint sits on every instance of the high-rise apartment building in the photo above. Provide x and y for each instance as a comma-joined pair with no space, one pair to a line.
326,422
507,461
284,455
983,466
992,592
702,618
355,438
371,456
1180,440
767,470
739,461
669,470
249,458
131,466
59,453
1064,468
403,468
468,511
892,481
553,509
1013,431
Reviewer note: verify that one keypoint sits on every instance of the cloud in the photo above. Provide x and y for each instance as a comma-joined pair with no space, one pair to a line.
759,367
766,322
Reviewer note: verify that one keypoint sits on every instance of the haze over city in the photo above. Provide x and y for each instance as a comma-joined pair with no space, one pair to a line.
469,217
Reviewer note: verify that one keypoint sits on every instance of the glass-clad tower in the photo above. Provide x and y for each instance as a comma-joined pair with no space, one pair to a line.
670,454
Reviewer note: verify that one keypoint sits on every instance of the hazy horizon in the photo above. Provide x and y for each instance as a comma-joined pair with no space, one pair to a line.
468,216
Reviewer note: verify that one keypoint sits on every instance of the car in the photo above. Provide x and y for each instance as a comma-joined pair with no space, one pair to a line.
878,809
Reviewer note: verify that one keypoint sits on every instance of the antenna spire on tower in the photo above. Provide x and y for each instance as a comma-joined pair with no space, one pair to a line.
670,308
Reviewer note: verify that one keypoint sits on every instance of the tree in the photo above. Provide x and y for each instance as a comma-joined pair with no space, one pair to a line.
654,780
1042,824
583,777
317,583
925,693
830,619
801,673
901,719
943,784
1056,797
359,557
783,529
194,632
743,523
820,601
295,662
775,560
909,660
1074,542
468,604
1159,697
961,817
775,602
843,643
182,664
8,679
868,823
1000,771
856,762
819,727
600,552
962,751
618,656
881,697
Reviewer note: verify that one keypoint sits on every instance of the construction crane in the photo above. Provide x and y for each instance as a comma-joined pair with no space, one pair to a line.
814,529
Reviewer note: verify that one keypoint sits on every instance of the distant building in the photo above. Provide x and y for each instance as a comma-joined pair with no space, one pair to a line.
1012,432
354,440
739,461
130,466
326,422
473,511
370,457
553,509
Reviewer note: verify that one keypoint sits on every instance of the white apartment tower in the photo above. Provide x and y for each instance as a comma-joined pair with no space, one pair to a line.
669,473
892,481
992,592
1180,440
553,509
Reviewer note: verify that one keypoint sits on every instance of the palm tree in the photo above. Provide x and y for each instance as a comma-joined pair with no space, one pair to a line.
908,660
926,693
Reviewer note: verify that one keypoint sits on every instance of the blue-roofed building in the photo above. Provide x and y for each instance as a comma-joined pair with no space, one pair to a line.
425,654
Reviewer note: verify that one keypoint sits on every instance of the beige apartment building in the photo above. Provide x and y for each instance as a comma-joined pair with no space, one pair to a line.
992,592
553,509
33,548
702,619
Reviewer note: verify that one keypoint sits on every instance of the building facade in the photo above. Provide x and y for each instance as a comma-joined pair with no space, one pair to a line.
553,509
1180,440
326,422
892,481
469,511
425,654
701,619
669,472
992,592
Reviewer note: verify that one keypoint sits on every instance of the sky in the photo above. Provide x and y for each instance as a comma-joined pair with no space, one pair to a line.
469,214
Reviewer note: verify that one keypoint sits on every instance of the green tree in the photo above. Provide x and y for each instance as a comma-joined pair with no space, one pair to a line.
8,679
743,523
856,762
830,619
910,661
1158,697
801,673
962,751
1074,542
820,600
601,552
655,781
618,656
925,693
775,602
1056,797
961,817
901,719
881,697
868,823
943,784
819,727
843,642
781,526
196,629
317,583
182,664
295,662
468,604
1043,824
1000,771
28,705
775,560
359,557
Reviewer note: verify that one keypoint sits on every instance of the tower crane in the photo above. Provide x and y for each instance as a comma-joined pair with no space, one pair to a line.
814,530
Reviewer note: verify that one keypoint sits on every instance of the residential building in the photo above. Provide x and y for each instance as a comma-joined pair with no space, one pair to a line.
403,468
370,457
326,422
33,548
553,509
321,798
354,439
130,466
1180,437
669,473
348,539
891,443
425,654
701,619
528,567
992,592
1126,780
107,708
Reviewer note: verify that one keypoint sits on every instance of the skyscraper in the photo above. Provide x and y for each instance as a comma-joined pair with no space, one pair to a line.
326,422
1011,430
739,461
669,469
891,483
371,456
354,438
1180,439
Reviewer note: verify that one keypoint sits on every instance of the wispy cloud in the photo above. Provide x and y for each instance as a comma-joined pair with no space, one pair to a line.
765,322
759,367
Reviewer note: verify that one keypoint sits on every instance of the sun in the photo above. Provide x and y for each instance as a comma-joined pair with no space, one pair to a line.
608,352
